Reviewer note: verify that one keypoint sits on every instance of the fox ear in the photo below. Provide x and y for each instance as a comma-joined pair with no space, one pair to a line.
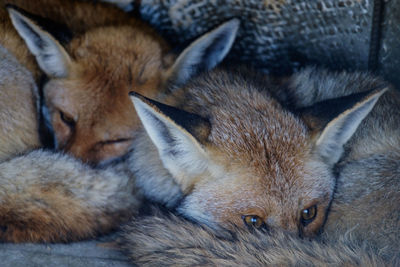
338,131
125,5
50,54
204,53
178,135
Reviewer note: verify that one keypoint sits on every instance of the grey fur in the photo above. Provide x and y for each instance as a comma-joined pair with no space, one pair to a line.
363,224
18,118
168,240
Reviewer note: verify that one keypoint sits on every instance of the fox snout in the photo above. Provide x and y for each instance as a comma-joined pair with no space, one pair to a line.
101,152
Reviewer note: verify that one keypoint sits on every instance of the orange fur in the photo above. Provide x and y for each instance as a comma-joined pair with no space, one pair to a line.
112,54
93,65
96,91
48,197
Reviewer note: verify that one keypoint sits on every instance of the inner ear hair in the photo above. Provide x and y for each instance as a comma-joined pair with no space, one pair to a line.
51,56
321,113
329,145
196,125
59,31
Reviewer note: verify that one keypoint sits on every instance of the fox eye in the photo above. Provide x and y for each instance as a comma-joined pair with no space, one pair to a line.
67,119
308,215
253,221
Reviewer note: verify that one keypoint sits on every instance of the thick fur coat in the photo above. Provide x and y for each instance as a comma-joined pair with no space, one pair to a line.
362,223
168,240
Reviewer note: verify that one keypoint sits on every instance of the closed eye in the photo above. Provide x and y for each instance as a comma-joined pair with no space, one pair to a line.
115,141
67,119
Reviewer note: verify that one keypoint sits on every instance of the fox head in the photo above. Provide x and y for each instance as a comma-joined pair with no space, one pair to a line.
85,94
240,157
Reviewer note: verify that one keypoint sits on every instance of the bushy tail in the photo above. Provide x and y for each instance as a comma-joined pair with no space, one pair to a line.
50,197
167,240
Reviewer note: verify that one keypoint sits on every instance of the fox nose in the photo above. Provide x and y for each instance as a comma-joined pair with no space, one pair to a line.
78,150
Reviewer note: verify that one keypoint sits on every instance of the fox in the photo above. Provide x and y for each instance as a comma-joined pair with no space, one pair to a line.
51,196
314,155
85,76
46,196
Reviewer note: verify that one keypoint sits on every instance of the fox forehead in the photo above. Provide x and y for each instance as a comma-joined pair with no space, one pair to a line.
265,141
255,139
108,63
248,127
122,37
118,54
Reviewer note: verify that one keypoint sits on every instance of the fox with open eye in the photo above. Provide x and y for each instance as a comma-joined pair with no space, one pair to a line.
223,150
363,222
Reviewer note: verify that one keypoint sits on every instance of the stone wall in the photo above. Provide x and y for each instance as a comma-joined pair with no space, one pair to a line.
283,35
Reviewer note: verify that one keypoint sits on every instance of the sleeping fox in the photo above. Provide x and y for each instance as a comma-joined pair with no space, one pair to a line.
46,196
226,151
50,197
85,76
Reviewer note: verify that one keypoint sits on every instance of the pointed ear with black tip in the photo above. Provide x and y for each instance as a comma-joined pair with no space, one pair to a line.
125,5
204,53
321,113
179,137
329,145
50,54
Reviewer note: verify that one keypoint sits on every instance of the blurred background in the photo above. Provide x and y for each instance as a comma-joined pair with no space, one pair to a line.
280,36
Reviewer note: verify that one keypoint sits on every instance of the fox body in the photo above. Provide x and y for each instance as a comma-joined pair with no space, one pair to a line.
50,197
87,65
368,183
267,163
169,240
19,97
226,151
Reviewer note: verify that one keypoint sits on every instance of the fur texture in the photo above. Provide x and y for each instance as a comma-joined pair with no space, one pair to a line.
18,105
19,97
168,240
50,197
